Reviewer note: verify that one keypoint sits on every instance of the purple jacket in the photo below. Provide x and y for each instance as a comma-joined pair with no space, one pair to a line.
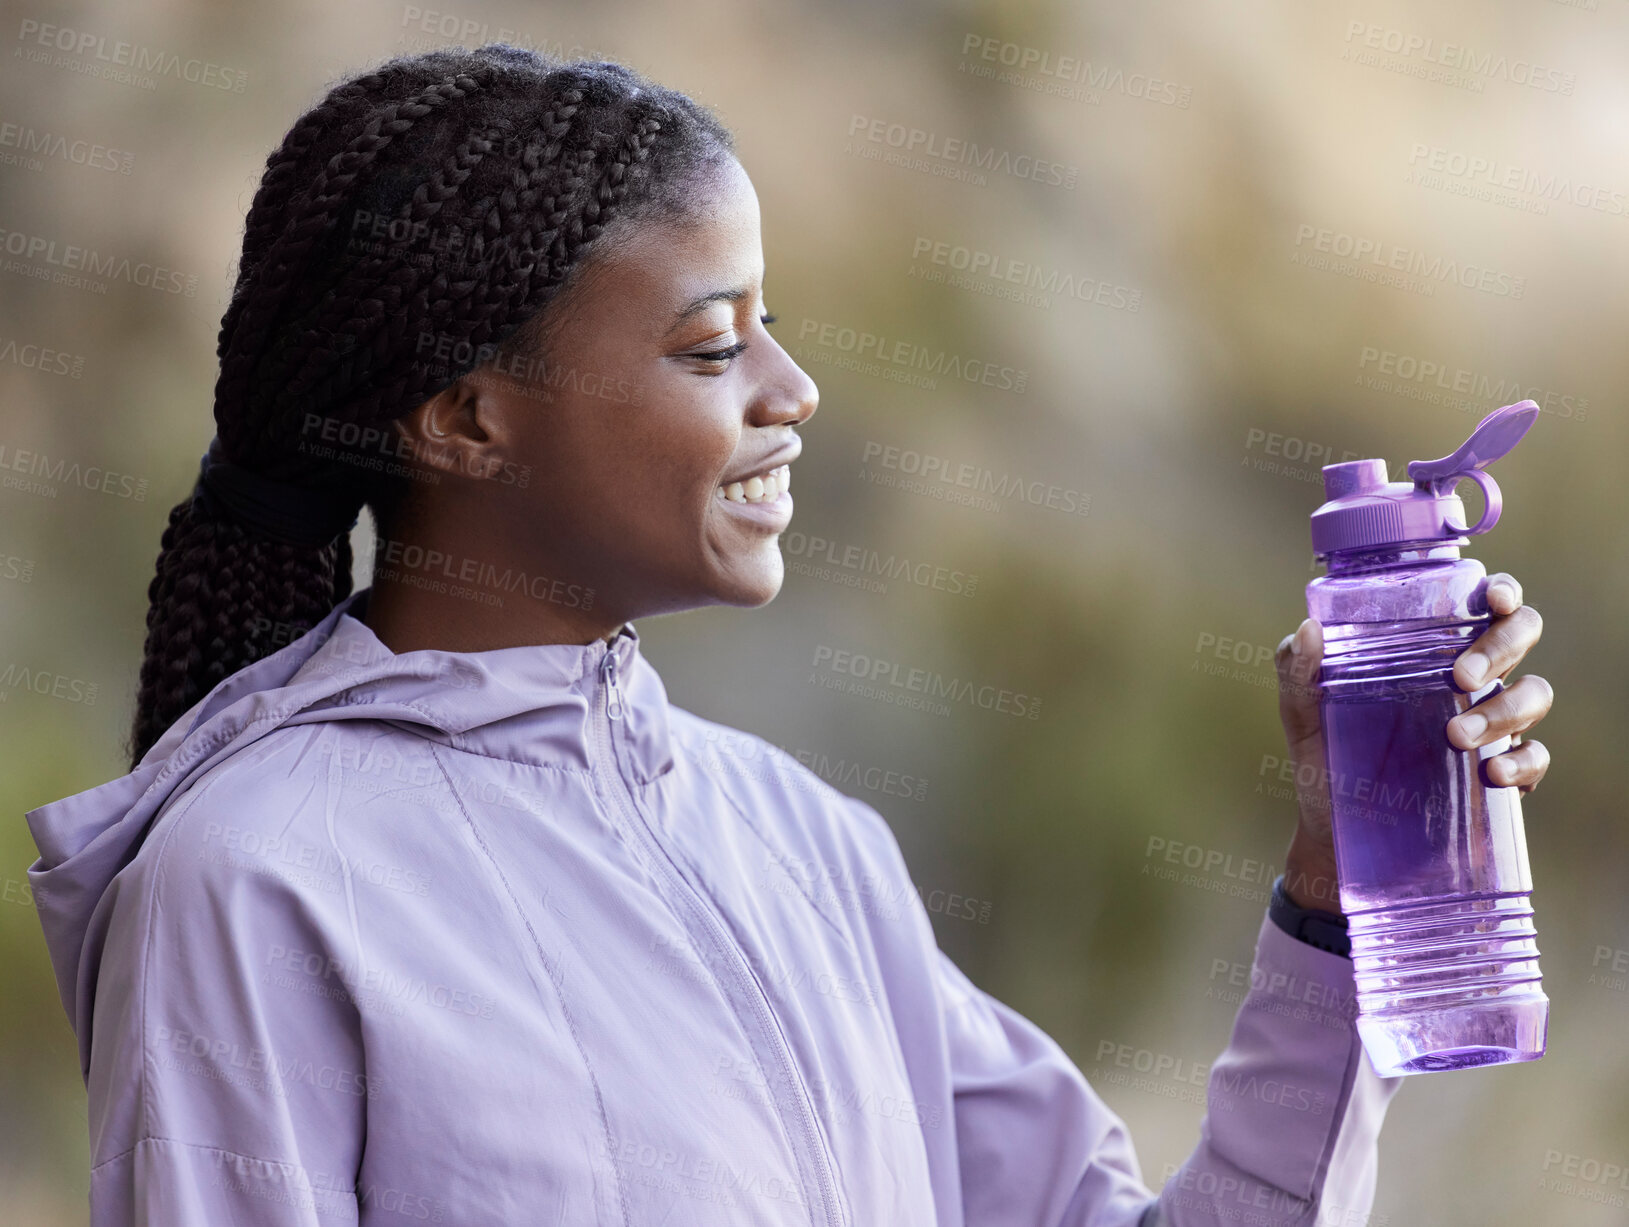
504,938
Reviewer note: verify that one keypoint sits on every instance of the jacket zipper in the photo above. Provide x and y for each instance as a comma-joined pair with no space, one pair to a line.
615,708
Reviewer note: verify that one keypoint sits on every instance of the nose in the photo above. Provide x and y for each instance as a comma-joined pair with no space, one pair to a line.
787,397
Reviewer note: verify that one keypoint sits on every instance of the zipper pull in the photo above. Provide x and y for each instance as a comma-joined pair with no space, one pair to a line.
613,692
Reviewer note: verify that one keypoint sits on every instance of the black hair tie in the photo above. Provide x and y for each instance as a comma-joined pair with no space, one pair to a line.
294,515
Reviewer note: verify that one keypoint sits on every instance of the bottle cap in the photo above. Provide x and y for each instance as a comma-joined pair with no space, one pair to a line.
1365,511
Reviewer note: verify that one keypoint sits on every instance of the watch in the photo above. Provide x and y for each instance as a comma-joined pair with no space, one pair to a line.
1325,930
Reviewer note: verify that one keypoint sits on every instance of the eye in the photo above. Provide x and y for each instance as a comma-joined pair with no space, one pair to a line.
724,355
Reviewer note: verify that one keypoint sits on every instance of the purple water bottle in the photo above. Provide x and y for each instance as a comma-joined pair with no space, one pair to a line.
1432,859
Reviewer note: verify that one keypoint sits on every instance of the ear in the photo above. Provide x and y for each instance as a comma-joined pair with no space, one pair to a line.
461,430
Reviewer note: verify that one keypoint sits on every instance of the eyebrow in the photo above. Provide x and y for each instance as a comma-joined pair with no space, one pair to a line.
705,301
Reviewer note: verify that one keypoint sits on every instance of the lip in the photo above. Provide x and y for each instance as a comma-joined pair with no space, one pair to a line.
774,461
775,514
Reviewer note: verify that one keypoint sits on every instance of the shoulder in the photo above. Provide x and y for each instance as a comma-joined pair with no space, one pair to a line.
774,787
257,827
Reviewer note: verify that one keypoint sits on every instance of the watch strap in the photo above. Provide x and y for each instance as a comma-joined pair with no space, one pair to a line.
1325,930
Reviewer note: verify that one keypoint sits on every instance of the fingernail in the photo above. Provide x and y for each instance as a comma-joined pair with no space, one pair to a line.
1504,588
1472,725
1476,664
1295,641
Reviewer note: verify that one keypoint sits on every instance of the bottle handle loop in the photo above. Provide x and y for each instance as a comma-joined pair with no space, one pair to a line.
1490,494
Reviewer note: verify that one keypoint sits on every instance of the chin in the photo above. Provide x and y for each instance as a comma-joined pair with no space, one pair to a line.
759,587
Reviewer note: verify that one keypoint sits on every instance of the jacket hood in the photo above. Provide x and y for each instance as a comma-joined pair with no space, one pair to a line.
529,704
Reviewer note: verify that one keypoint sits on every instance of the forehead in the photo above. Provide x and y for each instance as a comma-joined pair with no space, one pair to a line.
669,261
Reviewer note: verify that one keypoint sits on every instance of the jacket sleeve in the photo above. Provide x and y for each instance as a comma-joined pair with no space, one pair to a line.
1290,1133
226,1080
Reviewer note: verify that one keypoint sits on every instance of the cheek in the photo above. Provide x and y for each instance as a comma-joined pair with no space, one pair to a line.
688,458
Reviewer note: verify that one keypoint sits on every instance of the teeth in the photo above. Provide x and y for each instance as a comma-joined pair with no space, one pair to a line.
765,489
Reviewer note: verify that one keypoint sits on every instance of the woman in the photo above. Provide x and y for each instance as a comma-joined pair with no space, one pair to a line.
422,902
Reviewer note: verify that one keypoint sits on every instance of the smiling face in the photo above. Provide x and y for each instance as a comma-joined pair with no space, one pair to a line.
657,387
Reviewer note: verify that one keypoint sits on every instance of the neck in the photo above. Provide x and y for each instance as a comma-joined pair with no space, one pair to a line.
463,618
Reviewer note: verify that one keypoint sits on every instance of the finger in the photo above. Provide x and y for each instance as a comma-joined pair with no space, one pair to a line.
1499,649
1504,594
1297,659
1513,710
1522,767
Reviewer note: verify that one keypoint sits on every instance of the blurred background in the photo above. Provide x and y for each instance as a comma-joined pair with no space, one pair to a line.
1218,244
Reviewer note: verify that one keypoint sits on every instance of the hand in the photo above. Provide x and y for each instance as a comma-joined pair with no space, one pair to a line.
1309,875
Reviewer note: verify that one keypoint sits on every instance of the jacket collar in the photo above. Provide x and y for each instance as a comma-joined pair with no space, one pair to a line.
542,704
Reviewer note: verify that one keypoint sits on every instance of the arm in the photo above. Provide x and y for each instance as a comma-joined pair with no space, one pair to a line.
223,1087
1289,1135
1294,1108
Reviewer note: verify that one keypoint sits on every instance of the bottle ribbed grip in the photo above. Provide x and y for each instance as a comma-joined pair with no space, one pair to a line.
1444,954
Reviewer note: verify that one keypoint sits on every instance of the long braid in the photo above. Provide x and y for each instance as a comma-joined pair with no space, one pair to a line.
279,274
418,214
528,159
372,295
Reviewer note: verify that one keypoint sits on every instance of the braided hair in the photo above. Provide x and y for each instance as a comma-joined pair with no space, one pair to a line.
449,196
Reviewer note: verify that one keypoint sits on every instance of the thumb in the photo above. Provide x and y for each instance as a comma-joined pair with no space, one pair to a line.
1297,660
